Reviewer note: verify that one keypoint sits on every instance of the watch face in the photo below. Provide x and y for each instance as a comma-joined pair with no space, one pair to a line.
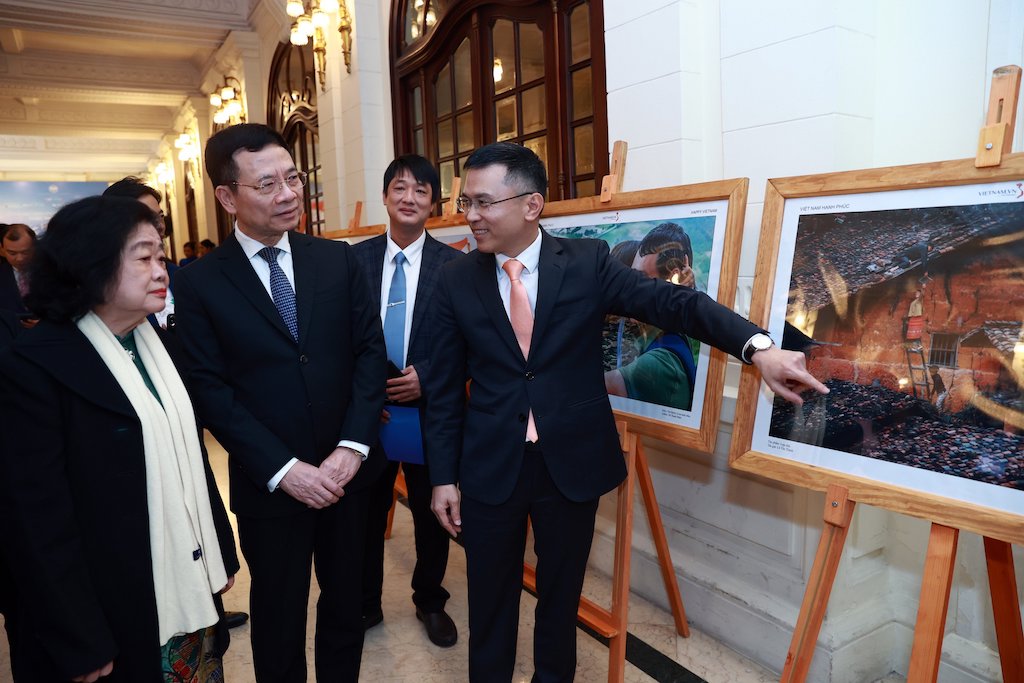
761,342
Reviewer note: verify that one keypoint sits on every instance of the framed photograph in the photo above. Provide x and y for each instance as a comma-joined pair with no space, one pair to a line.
665,384
904,287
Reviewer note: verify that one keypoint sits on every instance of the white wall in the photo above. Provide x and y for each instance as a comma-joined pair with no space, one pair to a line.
747,88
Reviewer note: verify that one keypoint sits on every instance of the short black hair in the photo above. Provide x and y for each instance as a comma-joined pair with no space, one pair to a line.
419,168
15,231
79,256
209,244
671,244
221,148
189,245
523,168
132,187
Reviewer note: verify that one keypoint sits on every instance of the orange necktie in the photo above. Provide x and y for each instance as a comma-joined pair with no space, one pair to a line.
522,323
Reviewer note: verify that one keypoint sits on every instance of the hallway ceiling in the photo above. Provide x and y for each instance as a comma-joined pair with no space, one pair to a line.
88,88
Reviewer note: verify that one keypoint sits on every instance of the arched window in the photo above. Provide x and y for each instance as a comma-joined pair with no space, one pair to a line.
291,109
471,72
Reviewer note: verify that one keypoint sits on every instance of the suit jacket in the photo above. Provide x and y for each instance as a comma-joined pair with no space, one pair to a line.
265,397
9,328
74,512
10,297
478,443
435,254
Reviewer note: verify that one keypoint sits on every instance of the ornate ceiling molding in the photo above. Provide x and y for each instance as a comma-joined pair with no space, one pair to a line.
93,70
200,22
106,146
100,86
55,93
117,118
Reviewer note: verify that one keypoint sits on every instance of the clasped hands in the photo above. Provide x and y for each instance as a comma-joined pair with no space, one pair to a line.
320,487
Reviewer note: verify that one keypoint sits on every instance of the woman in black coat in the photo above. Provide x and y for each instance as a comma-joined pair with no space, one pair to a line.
109,514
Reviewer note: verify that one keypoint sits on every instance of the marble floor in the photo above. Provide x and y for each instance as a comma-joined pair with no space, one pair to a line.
397,651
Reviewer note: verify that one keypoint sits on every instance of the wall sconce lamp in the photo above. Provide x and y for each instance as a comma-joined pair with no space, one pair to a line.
187,146
227,98
345,29
311,22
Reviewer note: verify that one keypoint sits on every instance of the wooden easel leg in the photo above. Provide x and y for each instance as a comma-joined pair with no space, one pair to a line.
1002,583
620,576
668,573
838,515
400,490
931,612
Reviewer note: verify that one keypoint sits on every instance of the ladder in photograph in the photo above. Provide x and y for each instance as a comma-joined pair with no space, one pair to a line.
918,371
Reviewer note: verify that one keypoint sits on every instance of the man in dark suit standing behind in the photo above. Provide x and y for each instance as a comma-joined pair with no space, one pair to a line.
285,360
522,318
9,329
402,267
17,246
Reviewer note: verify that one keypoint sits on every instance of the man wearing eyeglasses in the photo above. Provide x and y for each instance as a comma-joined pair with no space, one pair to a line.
522,318
284,356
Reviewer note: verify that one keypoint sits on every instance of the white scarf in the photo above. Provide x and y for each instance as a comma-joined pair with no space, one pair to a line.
180,519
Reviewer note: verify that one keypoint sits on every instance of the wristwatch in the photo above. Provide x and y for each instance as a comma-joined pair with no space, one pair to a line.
759,342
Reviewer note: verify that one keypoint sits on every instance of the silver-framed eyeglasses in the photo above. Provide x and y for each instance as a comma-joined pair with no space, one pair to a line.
464,203
269,186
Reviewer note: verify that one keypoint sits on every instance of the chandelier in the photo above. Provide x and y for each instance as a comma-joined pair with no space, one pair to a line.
311,18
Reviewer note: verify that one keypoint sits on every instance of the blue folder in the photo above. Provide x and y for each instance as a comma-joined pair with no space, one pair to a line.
401,437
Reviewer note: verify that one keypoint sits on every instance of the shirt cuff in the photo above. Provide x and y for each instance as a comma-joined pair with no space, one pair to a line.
361,449
276,479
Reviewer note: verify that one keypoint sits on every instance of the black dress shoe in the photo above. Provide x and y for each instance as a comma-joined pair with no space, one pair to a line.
372,619
233,619
440,627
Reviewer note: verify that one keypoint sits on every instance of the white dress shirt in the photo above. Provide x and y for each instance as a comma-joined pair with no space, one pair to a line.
414,257
530,258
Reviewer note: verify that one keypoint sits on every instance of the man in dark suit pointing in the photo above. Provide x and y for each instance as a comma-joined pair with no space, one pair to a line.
522,319
284,357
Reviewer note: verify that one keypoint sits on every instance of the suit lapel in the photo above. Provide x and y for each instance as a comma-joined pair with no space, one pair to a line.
375,265
551,267
425,285
66,354
304,269
238,270
486,285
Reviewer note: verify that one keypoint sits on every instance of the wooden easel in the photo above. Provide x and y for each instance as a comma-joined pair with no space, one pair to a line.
613,623
995,140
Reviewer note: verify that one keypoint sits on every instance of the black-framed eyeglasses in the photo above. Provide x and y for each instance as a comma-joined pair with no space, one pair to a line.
270,187
464,203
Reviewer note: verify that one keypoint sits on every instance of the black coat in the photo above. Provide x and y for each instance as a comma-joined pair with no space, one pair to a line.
10,297
479,444
435,254
265,398
74,511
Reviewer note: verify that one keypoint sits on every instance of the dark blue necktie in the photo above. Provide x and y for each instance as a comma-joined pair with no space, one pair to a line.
394,319
281,291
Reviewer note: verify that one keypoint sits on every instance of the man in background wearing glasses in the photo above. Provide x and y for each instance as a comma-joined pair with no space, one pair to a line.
284,356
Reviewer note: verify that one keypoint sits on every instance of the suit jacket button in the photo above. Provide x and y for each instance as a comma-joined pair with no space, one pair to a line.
522,418
529,376
303,359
